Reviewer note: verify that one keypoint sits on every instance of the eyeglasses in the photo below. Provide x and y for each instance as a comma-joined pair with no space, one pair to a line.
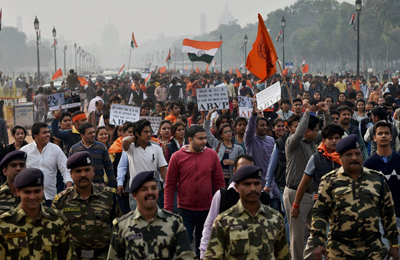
228,132
120,130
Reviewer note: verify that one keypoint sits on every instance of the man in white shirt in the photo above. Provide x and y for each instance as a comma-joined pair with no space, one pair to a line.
142,155
92,103
48,157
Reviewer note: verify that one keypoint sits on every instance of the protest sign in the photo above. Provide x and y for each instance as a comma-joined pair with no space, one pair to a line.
119,114
155,122
23,115
245,106
144,75
209,98
65,100
269,96
176,75
185,73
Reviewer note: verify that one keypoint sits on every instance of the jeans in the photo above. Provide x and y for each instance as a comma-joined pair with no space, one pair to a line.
132,202
194,221
124,203
284,216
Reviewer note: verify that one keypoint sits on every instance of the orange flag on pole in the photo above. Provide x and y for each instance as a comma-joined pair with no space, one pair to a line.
162,69
216,71
197,70
285,72
208,64
261,60
186,67
57,74
305,68
238,74
83,81
230,71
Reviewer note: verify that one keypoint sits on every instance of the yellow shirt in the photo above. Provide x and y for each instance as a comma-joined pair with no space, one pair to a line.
341,86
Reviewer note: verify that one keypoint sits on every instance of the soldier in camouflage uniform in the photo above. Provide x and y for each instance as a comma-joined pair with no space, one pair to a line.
353,199
90,209
149,232
32,231
248,230
11,165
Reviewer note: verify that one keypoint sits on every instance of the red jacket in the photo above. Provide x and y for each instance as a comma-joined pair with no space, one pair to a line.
195,174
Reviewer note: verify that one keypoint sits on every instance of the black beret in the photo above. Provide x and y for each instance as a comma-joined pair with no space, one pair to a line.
29,177
247,172
141,178
79,159
14,155
348,143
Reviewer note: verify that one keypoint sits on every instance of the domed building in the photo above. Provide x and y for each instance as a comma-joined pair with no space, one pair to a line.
226,17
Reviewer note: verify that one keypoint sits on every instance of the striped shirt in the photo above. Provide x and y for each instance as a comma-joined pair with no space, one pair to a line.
101,162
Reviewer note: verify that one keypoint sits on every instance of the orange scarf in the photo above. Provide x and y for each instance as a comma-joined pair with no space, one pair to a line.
116,147
331,156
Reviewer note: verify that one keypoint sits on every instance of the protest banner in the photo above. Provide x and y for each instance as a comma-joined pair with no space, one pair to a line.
269,96
176,75
245,106
209,98
185,73
65,100
144,75
119,114
23,115
155,122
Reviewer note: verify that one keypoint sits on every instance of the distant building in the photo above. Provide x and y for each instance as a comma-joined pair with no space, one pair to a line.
19,23
226,17
203,25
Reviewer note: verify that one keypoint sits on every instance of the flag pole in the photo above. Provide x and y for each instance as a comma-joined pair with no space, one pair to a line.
284,79
129,63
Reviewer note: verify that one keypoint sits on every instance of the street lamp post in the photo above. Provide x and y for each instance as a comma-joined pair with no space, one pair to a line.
36,24
55,48
283,24
358,9
76,66
65,61
220,38
245,51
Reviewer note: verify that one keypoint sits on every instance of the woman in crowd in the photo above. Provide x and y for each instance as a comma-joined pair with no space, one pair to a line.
160,110
328,101
317,95
179,140
226,150
102,136
359,95
278,128
195,115
164,135
240,130
235,108
359,114
19,134
342,99
144,109
118,132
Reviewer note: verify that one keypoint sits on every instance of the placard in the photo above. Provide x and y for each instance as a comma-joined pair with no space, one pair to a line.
119,114
209,98
23,115
269,96
185,73
155,122
65,100
245,106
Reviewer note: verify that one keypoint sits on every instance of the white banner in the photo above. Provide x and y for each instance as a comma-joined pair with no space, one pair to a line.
155,122
268,96
185,73
245,106
65,100
119,114
208,98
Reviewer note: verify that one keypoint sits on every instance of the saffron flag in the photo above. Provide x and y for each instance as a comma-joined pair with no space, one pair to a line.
1,12
197,70
200,50
230,71
162,69
352,20
57,74
279,37
133,42
207,67
285,72
215,70
168,57
238,74
121,72
261,60
305,68
186,67
83,81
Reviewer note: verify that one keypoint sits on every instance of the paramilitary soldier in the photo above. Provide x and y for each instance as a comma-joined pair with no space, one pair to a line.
11,165
149,232
90,209
33,231
248,230
353,199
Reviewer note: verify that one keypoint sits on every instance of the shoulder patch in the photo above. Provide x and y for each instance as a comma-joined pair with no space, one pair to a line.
56,212
170,213
329,174
7,214
115,221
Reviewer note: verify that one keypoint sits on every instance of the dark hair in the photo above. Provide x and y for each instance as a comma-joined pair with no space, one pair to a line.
36,128
64,114
175,127
127,125
145,105
219,119
99,92
113,98
193,130
174,103
240,119
292,119
287,101
313,122
164,122
98,131
334,112
183,118
351,95
362,101
276,121
221,129
313,102
327,97
140,125
349,104
297,100
382,124
358,92
14,130
380,112
262,118
331,129
161,104
243,156
343,108
83,127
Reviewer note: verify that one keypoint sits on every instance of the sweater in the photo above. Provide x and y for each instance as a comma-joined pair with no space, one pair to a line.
195,180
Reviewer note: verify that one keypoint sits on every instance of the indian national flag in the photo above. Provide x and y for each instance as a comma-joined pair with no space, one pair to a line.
133,42
213,66
168,57
147,80
200,50
121,72
352,20
279,37
241,67
304,62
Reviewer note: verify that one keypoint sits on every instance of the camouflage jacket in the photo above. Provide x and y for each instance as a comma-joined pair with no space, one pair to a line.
238,235
7,200
91,219
164,237
47,238
352,207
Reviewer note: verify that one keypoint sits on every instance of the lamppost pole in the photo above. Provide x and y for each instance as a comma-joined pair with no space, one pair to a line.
36,24
55,48
245,52
220,38
76,66
283,24
358,9
65,61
